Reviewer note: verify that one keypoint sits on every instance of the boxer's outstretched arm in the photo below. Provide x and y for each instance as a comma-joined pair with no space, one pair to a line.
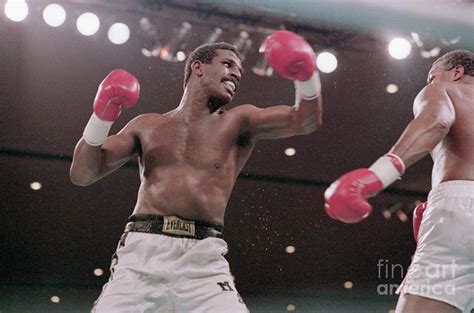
292,58
434,116
281,121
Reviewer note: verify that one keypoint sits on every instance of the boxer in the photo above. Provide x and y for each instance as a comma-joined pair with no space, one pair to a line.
441,275
170,257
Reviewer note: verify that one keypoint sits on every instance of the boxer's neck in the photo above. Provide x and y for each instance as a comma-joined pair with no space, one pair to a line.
194,104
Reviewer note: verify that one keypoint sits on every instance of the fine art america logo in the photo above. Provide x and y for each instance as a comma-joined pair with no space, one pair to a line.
429,279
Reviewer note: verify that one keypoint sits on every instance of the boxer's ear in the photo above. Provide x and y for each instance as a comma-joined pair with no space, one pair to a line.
197,67
458,72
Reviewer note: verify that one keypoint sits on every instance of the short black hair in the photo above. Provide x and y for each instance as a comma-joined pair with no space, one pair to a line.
458,57
205,53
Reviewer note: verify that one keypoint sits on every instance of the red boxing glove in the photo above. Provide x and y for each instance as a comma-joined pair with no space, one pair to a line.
346,198
119,89
289,55
417,217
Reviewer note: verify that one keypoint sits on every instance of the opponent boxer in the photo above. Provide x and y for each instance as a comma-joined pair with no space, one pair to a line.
441,275
170,257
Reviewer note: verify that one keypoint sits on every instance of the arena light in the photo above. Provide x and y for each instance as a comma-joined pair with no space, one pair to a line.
55,299
180,56
169,51
416,39
98,272
326,62
450,41
399,48
433,53
290,151
35,185
243,43
402,216
150,53
391,88
348,285
148,32
88,24
215,34
118,33
290,307
54,15
290,249
261,67
16,10
387,213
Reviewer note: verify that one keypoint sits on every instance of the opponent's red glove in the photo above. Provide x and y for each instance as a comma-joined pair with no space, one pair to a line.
293,58
118,90
417,217
346,198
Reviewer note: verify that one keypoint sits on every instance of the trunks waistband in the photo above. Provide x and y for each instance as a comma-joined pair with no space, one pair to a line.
452,188
173,226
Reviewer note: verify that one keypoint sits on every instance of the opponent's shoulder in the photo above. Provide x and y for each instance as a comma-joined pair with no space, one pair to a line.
433,96
434,91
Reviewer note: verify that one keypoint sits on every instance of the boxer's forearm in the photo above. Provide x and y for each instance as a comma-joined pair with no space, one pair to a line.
311,112
86,164
308,103
419,138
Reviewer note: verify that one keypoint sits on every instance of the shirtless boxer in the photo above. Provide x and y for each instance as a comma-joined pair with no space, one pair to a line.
441,276
170,257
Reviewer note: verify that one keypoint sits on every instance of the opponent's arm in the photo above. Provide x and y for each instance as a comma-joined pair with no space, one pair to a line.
96,155
434,116
293,58
346,198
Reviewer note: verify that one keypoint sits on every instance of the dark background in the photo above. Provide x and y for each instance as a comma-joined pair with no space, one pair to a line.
52,239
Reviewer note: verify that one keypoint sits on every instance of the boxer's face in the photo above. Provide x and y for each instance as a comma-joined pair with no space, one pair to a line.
439,74
223,77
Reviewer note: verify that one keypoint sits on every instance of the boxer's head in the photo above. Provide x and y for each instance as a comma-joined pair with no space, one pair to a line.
219,69
452,66
206,54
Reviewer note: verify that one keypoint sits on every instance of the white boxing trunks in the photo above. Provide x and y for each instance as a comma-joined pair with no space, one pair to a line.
159,270
443,265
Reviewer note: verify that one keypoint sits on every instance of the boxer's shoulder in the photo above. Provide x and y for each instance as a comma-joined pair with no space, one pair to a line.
242,115
144,121
243,110
147,118
432,92
434,87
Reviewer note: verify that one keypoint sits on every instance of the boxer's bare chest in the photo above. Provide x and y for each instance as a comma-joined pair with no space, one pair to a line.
213,143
